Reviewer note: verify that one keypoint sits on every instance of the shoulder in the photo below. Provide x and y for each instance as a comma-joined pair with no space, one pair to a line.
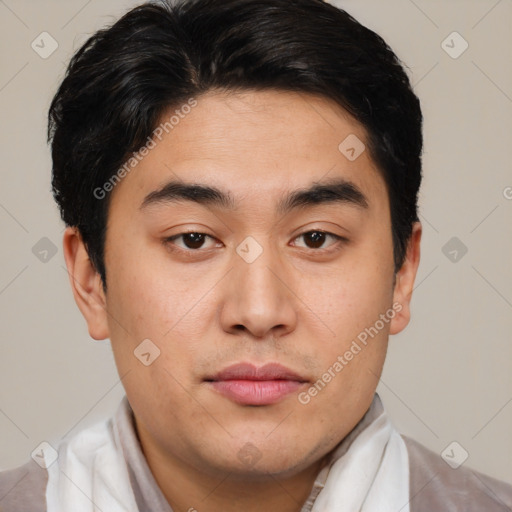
434,485
23,488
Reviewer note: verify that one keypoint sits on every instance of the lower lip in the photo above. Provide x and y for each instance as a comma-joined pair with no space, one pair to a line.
256,392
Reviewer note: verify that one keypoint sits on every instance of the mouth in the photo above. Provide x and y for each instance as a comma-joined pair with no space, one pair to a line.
248,384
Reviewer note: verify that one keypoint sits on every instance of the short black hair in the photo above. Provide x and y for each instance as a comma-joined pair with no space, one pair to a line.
157,56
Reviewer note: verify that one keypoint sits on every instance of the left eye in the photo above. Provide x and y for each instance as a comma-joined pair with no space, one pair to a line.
191,241
316,239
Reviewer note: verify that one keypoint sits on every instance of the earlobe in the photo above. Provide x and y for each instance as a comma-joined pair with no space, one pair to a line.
404,284
86,284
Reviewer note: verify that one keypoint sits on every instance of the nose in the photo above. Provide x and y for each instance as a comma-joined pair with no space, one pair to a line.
259,297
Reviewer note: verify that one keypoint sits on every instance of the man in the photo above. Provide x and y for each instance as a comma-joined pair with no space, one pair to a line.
239,182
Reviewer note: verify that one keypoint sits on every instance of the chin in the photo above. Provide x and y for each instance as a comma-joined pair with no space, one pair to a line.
257,460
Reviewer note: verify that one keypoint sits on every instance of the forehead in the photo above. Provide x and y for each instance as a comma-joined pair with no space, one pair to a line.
255,145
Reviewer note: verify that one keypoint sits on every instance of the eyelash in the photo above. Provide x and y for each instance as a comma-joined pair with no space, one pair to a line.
169,241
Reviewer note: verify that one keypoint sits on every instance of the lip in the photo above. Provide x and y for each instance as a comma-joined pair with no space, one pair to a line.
247,384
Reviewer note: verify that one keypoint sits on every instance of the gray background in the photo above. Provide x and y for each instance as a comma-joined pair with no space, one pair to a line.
448,376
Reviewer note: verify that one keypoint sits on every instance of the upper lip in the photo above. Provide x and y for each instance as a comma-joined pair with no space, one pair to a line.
249,371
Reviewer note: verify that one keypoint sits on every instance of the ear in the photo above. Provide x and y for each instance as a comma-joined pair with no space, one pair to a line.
404,283
86,284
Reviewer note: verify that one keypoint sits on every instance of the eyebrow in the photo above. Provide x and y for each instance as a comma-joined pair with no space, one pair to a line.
333,191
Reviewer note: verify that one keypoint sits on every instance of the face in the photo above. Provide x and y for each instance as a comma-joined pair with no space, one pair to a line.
267,303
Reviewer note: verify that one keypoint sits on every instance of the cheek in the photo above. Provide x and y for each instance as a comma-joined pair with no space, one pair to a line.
151,297
160,303
334,409
351,302
347,299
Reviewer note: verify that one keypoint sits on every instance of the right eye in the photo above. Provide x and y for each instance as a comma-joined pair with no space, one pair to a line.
191,241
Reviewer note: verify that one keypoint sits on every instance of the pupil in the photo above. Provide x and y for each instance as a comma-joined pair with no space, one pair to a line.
194,240
317,238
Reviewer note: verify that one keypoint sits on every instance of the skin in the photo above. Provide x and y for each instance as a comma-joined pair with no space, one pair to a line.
205,310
